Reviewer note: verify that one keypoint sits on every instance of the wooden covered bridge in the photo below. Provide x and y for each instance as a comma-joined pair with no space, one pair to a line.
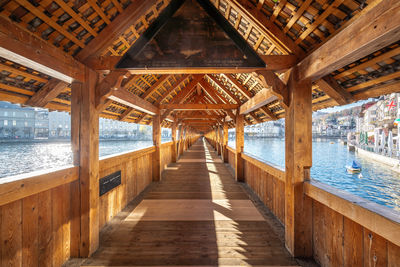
200,67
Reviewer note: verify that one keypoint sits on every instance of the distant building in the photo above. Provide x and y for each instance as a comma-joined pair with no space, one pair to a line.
59,125
16,122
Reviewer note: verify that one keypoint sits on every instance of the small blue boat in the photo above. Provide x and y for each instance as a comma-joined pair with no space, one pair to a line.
354,168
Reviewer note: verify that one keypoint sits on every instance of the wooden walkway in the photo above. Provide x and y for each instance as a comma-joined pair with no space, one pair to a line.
197,215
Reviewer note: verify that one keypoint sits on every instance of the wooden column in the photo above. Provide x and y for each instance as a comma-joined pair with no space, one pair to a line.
219,140
173,130
157,144
239,174
298,151
225,142
179,140
85,146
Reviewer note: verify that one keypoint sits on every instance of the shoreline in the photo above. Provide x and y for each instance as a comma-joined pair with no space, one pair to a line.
390,162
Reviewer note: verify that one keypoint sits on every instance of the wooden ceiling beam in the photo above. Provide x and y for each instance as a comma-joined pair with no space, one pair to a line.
212,92
113,30
200,121
183,94
198,116
239,86
47,93
185,70
173,88
198,106
110,83
223,88
278,88
273,62
128,112
384,89
154,87
104,105
375,29
22,47
279,62
330,86
129,99
249,95
262,98
262,22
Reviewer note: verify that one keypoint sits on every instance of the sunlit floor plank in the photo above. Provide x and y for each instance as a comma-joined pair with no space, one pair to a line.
196,216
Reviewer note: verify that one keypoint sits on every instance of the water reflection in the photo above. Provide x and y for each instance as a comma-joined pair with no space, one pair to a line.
17,158
379,183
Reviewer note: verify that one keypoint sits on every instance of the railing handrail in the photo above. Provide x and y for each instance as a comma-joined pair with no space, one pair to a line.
129,153
379,219
170,143
231,149
20,186
274,170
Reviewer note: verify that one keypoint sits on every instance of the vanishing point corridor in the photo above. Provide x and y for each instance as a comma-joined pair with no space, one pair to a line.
197,215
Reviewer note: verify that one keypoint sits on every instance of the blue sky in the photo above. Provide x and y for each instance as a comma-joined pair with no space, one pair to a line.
339,108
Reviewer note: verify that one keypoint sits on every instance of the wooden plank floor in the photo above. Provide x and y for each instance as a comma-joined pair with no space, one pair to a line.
197,215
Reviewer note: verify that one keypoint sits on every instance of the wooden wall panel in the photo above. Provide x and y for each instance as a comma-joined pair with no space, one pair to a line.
231,158
269,188
339,241
11,234
35,230
45,229
166,154
136,174
353,243
30,228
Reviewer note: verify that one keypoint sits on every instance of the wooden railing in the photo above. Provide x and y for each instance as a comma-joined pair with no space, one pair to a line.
231,156
39,214
166,154
268,183
351,231
136,175
346,230
36,217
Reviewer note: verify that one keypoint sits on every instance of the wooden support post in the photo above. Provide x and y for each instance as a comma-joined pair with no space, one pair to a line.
225,142
173,130
218,141
179,140
157,144
239,173
298,153
85,146
220,152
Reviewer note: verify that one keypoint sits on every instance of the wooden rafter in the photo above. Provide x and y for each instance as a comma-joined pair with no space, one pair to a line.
22,47
173,88
246,9
261,99
279,62
110,83
370,32
154,87
270,79
131,100
249,95
198,106
330,86
47,93
114,29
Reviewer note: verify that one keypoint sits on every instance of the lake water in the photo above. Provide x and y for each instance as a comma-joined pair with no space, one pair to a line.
17,158
378,184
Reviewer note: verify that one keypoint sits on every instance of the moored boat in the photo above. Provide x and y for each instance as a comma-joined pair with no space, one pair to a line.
354,168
